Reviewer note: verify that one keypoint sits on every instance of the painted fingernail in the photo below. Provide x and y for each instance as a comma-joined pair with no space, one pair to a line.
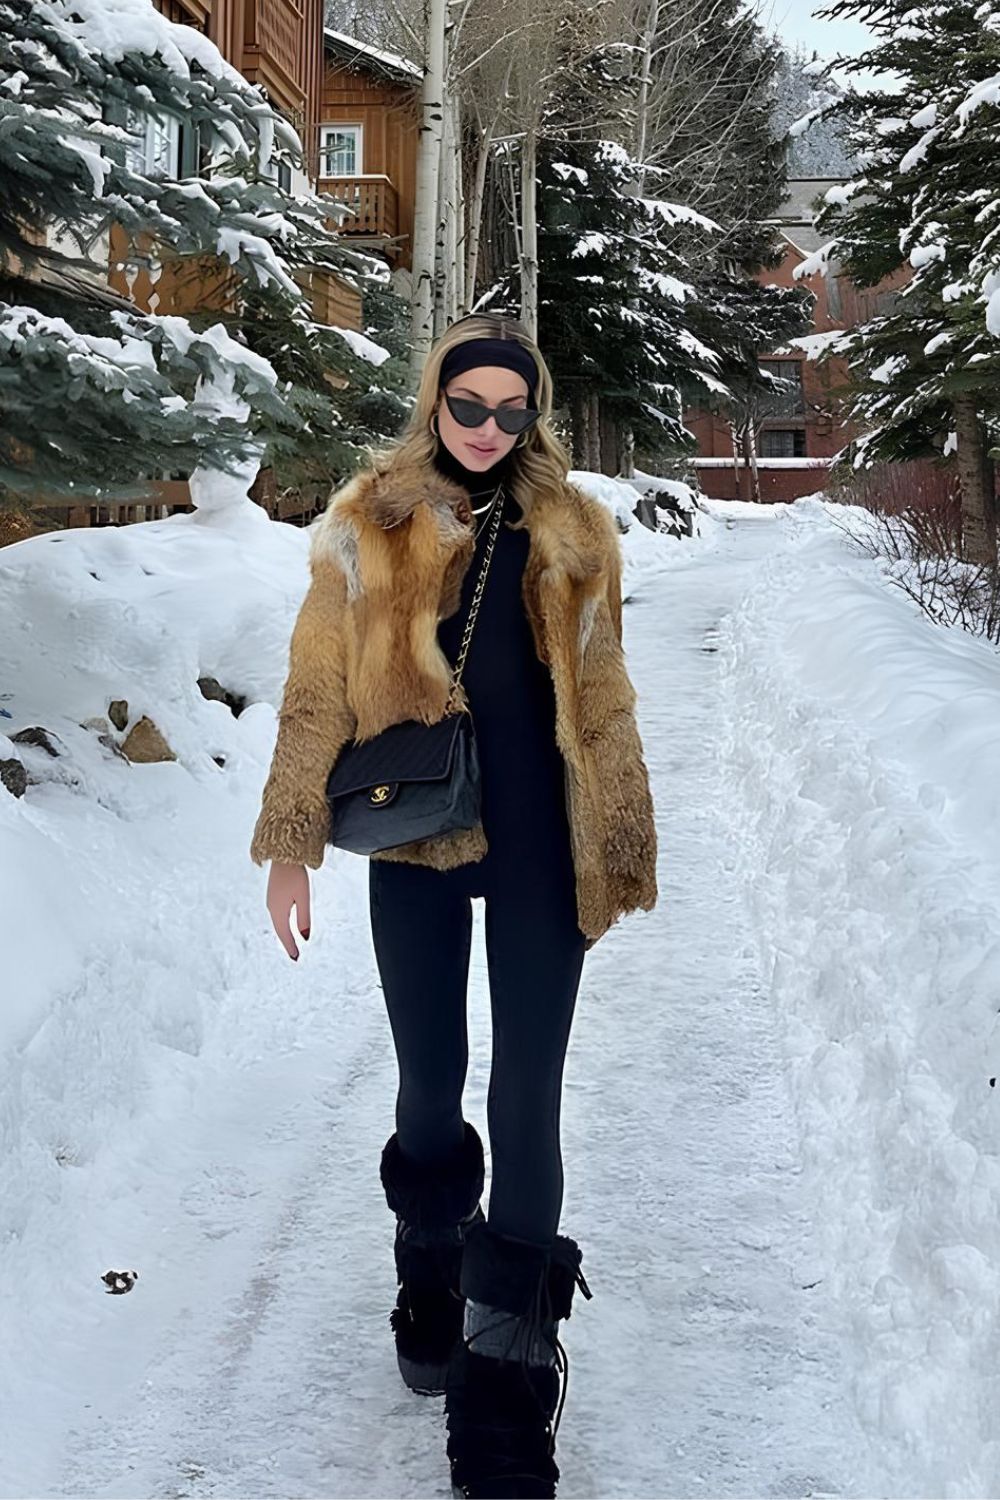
305,932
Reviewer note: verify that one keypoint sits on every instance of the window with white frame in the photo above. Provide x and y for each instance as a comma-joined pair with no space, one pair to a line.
155,145
340,151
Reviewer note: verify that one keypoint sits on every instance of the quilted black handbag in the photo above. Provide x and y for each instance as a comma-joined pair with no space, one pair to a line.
413,780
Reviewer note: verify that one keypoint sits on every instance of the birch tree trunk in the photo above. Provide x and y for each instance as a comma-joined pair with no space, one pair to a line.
426,190
442,234
626,441
474,218
642,100
754,471
744,490
975,476
457,301
529,233
626,451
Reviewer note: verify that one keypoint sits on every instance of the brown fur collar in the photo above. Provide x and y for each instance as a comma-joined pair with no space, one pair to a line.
571,535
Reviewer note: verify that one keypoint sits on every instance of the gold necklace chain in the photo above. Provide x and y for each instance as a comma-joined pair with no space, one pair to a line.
488,510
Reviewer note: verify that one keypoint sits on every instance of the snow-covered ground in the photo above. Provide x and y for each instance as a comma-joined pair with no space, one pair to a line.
778,1137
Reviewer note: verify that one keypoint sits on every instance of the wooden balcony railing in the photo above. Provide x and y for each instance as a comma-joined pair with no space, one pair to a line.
372,199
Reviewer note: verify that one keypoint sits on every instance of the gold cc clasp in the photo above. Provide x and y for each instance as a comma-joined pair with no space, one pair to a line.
378,794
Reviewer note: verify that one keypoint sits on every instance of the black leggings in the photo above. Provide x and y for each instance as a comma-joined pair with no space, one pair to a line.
422,931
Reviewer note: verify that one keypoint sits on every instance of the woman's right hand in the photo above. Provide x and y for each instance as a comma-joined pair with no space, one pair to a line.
288,886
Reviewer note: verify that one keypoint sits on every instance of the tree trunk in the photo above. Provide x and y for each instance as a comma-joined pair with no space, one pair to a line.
975,477
443,269
626,451
609,444
642,101
474,219
457,305
737,483
593,462
744,460
579,420
529,234
626,436
439,235
754,471
426,191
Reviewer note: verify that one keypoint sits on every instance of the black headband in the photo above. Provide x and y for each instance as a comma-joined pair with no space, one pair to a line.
509,353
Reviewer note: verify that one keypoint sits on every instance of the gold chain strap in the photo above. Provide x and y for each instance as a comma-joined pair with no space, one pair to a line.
474,607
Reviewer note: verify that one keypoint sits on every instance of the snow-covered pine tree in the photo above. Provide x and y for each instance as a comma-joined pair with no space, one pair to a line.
95,97
923,210
334,421
613,286
614,303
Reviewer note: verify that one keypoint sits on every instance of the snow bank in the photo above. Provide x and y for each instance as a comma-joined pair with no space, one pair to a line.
863,742
644,552
136,613
141,975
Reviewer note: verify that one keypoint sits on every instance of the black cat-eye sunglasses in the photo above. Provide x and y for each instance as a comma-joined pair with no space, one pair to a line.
509,419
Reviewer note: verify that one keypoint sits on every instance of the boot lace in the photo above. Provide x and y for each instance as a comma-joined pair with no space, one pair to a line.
539,1324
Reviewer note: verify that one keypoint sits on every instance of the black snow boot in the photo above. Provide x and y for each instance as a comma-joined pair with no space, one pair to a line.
503,1387
434,1207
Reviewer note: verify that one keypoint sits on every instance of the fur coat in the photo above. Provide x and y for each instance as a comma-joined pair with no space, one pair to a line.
387,559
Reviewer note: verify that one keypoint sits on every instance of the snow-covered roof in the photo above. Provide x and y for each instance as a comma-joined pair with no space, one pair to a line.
354,50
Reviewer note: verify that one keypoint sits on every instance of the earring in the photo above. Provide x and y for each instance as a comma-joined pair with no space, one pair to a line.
434,425
522,441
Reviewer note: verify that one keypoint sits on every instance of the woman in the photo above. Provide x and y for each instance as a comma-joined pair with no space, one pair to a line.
565,845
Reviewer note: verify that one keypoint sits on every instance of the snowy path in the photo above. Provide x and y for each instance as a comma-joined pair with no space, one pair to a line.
254,1357
703,1364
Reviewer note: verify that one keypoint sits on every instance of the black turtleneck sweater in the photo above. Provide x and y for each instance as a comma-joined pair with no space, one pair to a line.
510,691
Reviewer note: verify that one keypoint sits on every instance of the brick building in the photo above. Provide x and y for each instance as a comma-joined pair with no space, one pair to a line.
801,431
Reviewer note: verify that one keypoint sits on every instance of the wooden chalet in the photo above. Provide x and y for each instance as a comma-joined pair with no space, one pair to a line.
367,145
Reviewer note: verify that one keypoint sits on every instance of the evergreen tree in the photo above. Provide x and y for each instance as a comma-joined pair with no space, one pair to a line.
922,211
95,395
338,403
650,298
614,298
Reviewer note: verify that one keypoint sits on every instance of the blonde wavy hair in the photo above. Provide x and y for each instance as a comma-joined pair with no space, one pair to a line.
539,465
